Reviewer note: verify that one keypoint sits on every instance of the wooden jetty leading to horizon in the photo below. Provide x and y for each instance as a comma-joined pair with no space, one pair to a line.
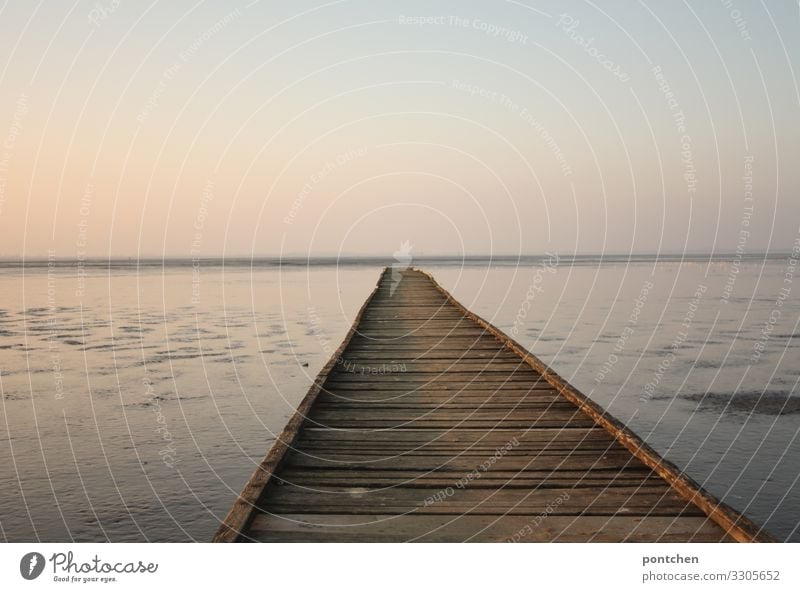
429,424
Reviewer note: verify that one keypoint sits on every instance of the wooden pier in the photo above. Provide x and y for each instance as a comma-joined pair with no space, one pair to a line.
429,424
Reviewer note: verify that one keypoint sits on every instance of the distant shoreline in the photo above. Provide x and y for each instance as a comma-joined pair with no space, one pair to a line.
361,261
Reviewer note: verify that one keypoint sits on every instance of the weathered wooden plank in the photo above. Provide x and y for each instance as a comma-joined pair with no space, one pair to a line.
335,418
430,334
469,528
466,464
455,401
487,444
412,344
449,325
335,413
420,387
658,500
500,436
431,358
321,479
487,424
497,375
332,403
475,391
485,341
445,400
322,450
496,380
403,367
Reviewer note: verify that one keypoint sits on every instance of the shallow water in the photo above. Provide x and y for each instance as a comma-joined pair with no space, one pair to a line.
133,413
136,403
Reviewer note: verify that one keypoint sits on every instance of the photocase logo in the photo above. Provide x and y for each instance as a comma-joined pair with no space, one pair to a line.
31,565
402,260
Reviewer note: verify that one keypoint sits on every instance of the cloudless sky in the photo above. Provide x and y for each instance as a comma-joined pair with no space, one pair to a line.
211,128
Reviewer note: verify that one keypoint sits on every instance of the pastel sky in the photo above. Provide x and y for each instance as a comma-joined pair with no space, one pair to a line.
347,127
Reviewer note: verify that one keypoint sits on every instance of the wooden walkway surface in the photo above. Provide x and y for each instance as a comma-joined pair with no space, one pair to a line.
428,424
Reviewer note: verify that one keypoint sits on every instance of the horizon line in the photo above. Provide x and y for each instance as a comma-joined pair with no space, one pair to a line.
351,258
